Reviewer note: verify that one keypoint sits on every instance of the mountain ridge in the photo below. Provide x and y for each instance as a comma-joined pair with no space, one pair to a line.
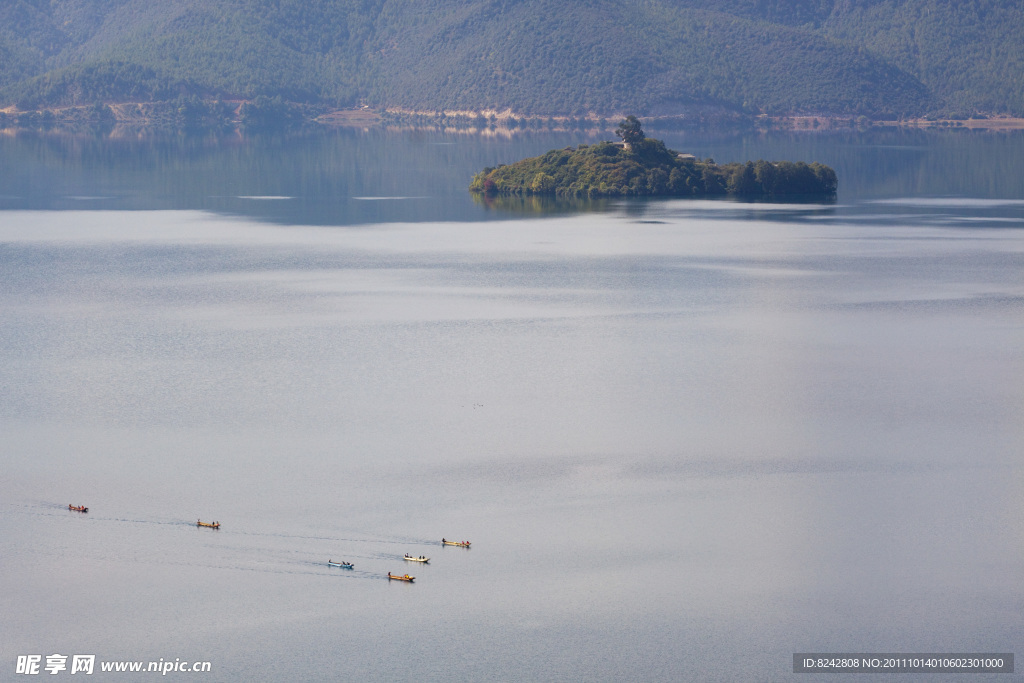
878,58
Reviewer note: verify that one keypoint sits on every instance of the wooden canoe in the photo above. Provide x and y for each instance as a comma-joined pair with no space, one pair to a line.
343,565
78,508
208,525
410,558
461,544
396,577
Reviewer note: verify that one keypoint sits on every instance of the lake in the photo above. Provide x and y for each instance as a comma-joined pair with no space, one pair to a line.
687,438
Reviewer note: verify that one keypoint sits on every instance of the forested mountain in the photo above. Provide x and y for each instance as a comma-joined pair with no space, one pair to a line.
650,57
80,51
970,53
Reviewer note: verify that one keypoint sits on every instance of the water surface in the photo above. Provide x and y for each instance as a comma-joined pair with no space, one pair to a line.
687,438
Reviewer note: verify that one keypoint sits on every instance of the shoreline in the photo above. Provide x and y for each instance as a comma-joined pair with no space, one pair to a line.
164,116
994,123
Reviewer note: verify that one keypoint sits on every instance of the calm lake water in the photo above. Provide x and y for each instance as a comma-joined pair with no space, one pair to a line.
687,439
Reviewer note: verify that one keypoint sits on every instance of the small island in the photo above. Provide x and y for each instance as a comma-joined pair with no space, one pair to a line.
642,166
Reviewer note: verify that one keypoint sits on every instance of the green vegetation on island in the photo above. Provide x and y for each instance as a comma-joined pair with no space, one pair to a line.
643,166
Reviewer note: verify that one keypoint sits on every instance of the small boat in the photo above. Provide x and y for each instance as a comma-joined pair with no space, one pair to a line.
343,564
396,577
421,558
461,544
208,525
78,508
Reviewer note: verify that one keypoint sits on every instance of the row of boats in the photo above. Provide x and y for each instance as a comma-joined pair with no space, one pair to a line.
331,563
408,558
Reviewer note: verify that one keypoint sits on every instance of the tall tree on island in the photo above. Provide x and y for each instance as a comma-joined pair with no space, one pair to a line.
629,130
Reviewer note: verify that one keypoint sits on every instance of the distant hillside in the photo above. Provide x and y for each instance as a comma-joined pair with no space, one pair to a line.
78,52
969,53
608,57
650,57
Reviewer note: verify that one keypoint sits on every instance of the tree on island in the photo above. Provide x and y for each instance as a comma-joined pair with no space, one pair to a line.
629,130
